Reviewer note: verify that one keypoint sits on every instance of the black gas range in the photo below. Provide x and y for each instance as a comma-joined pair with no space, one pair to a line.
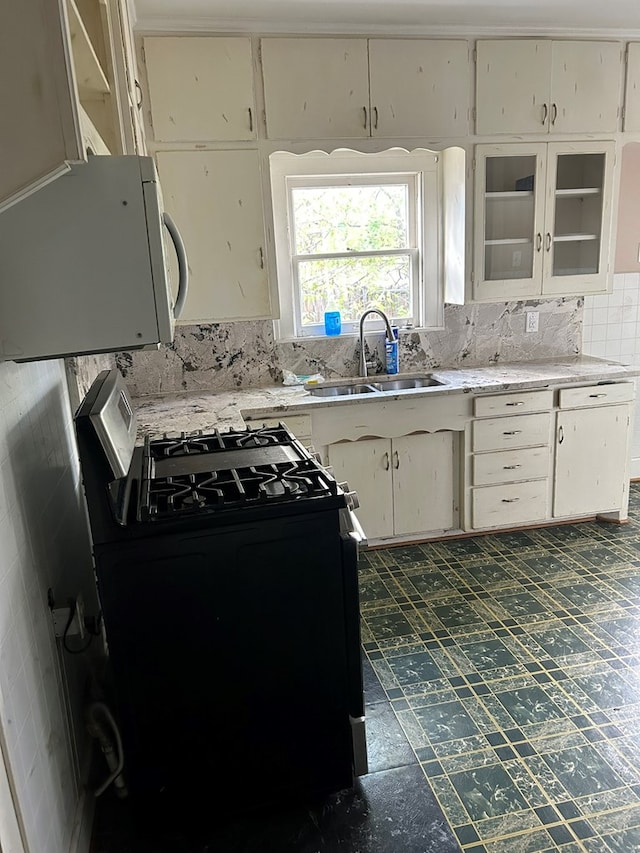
226,565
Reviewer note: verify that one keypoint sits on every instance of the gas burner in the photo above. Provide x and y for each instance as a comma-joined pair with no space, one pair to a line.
184,445
255,485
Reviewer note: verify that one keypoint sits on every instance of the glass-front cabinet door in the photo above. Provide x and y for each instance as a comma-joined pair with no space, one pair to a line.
542,219
509,212
578,217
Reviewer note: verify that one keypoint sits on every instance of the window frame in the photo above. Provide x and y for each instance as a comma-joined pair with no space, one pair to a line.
289,170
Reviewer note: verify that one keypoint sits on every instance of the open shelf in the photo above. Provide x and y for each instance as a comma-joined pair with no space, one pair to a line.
574,238
510,194
90,75
511,241
577,193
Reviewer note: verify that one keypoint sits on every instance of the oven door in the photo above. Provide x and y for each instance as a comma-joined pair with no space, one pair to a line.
353,538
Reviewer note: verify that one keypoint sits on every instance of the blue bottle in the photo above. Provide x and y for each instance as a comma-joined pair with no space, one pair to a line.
332,322
391,352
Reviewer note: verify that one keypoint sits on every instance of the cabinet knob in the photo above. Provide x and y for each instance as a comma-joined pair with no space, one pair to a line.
595,396
512,432
375,118
396,460
554,113
560,435
509,500
385,461
517,403
366,122
511,467
250,119
545,113
548,239
538,241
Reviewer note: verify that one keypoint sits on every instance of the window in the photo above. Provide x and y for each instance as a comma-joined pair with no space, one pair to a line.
354,231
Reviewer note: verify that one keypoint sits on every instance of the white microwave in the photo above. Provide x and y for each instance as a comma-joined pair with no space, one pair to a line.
83,265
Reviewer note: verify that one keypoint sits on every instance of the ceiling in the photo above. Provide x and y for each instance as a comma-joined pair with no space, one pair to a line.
619,17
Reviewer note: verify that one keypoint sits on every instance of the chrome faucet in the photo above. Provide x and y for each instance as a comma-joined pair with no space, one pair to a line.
364,364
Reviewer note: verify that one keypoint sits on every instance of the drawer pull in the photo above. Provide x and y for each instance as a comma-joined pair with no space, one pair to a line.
512,432
518,403
385,461
396,460
594,396
511,467
509,500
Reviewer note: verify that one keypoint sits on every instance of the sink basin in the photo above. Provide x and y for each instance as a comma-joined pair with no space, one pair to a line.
404,384
379,386
340,390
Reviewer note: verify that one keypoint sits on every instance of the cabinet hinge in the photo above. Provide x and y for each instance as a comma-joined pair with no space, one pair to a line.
475,55
473,113
473,277
622,112
473,164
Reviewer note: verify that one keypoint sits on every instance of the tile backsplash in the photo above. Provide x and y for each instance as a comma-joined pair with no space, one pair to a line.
611,329
245,354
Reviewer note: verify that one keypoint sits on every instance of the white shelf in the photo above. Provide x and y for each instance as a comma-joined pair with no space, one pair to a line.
577,193
511,194
90,76
574,238
512,241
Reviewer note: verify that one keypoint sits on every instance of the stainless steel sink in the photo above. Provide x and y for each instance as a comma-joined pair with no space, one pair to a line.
404,384
340,390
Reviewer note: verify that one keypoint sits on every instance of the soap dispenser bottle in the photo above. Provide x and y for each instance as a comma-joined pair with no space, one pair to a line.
391,352
332,321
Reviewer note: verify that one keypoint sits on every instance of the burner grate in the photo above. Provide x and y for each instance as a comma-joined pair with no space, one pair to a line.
189,444
260,484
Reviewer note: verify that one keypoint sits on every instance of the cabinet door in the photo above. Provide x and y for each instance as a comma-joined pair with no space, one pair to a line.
316,88
513,86
215,196
591,469
200,87
577,238
40,130
419,87
509,210
585,86
632,92
423,485
366,466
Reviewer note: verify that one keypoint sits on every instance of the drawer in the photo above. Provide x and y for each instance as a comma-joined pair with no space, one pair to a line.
511,404
518,431
514,503
596,395
507,466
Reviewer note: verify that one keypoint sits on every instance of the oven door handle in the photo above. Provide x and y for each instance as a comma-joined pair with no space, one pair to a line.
357,533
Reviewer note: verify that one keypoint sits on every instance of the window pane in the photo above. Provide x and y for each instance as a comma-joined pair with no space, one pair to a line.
355,284
356,219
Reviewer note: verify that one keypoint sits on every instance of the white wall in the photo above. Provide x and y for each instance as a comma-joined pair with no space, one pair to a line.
611,329
43,542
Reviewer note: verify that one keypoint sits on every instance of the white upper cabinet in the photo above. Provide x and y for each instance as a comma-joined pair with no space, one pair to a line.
201,88
543,219
632,93
333,88
40,130
538,86
216,198
316,88
419,87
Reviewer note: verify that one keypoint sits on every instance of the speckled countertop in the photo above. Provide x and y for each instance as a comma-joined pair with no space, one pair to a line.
189,411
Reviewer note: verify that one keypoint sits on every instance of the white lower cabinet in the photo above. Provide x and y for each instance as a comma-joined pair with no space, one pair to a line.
592,451
405,485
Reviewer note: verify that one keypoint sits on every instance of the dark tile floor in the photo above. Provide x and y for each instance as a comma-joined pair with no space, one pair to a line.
503,707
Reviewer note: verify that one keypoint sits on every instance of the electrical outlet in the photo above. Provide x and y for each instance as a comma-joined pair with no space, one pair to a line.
61,618
531,324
